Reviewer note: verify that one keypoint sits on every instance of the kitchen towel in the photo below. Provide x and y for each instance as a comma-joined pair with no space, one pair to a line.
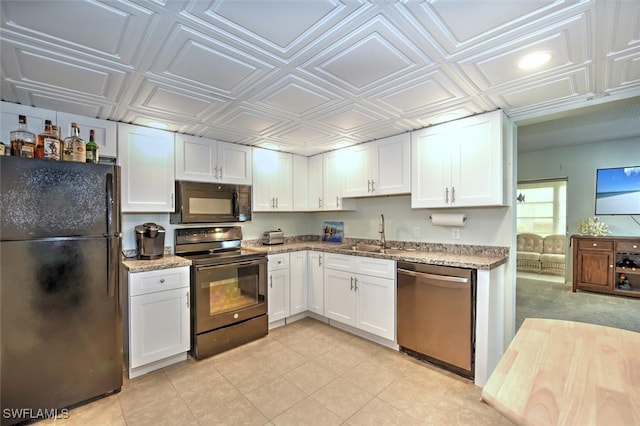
448,219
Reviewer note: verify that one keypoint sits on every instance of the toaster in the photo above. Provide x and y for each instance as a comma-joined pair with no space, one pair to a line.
273,237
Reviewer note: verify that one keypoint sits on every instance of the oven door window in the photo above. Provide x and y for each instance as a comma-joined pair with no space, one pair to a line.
228,288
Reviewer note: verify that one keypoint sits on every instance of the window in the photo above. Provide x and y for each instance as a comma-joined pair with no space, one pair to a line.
542,207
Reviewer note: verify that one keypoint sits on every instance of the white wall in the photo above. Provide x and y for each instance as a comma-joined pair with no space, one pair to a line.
579,163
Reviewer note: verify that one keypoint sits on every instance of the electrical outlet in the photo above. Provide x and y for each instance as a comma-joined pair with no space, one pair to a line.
455,233
416,232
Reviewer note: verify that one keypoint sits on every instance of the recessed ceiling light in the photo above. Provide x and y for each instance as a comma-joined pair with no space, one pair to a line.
534,60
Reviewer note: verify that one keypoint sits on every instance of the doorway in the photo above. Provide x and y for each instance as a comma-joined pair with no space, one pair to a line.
541,211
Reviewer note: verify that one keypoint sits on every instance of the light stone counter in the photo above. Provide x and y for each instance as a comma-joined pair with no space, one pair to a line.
165,262
461,256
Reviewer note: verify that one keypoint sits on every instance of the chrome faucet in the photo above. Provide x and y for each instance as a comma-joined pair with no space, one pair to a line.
383,241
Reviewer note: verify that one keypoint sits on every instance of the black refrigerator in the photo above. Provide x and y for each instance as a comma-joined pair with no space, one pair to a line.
60,316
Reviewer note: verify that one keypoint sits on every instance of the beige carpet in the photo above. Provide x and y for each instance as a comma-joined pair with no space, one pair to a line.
543,296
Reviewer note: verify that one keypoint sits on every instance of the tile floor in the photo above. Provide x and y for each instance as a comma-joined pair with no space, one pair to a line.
306,373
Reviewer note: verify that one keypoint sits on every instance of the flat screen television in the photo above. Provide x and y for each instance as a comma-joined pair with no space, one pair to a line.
618,191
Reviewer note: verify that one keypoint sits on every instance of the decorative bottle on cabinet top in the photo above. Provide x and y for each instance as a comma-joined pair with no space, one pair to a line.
48,144
23,142
74,146
92,148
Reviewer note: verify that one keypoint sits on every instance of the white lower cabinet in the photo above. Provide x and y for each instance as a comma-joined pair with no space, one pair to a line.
278,286
360,292
315,282
159,319
297,282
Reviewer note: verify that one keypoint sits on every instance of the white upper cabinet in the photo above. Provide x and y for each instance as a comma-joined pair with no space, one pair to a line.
272,180
235,163
335,164
380,167
316,185
146,157
9,120
392,162
206,160
300,183
106,133
459,164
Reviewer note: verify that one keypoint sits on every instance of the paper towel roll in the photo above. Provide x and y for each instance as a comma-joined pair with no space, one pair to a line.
448,219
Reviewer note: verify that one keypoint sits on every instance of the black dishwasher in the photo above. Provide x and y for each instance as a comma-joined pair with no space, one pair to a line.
436,315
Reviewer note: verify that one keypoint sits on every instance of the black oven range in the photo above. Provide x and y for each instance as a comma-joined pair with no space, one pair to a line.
228,289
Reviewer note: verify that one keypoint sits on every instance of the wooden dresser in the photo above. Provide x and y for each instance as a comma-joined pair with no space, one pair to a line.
606,264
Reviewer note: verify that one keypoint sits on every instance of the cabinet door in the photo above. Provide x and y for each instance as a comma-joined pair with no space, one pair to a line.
333,178
300,183
272,180
358,176
9,119
196,158
234,163
278,295
392,165
159,325
106,132
147,159
297,282
281,184
339,296
595,269
477,162
375,305
316,183
431,167
315,282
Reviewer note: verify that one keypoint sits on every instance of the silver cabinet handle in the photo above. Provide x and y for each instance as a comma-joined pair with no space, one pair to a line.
220,172
319,202
276,202
368,185
271,281
351,283
446,195
373,185
337,201
453,194
356,286
187,299
319,260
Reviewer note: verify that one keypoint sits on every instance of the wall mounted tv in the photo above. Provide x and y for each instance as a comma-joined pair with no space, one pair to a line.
618,191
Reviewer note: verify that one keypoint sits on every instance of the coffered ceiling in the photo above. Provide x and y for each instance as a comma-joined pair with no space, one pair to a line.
305,75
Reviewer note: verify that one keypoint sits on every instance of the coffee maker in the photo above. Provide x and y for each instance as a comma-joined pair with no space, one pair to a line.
149,241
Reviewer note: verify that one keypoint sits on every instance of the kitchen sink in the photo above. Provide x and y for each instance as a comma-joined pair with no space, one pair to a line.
368,248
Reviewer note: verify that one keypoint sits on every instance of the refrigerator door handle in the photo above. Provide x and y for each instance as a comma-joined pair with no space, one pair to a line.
109,200
112,263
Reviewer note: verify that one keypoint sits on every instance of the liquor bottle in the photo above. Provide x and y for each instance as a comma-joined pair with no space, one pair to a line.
56,132
48,144
92,148
74,146
23,142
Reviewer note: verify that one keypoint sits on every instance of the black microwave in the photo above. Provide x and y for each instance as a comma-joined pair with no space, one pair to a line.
200,202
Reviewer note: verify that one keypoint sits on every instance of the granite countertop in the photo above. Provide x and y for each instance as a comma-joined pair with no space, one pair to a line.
165,262
461,256
475,257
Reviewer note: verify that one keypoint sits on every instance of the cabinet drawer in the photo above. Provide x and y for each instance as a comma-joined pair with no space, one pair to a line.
278,261
161,280
628,246
595,245
381,268
340,262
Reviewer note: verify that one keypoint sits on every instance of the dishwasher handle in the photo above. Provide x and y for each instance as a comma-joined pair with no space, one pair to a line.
446,278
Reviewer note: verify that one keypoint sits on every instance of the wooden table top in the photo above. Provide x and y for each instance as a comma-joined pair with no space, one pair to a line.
568,373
